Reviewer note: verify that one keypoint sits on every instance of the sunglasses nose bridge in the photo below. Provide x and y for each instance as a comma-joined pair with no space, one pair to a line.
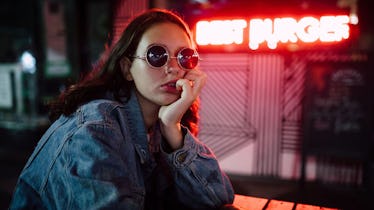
173,63
173,67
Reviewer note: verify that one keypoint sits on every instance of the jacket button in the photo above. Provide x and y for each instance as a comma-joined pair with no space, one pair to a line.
182,157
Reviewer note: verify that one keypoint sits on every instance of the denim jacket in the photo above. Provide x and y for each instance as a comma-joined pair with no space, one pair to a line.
98,158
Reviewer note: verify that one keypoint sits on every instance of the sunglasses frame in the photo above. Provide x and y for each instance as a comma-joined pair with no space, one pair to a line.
178,57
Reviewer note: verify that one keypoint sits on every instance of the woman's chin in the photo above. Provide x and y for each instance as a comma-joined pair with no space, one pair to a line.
169,100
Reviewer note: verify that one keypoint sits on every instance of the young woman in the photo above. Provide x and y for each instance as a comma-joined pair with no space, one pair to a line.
125,136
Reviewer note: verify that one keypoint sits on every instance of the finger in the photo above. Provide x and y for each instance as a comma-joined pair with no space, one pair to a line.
185,85
198,80
193,74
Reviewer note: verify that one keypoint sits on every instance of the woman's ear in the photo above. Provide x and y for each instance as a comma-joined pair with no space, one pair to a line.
125,68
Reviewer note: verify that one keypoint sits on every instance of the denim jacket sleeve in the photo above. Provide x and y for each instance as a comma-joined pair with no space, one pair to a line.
199,181
88,164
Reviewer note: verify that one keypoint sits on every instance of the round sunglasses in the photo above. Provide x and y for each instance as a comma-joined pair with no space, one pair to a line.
158,56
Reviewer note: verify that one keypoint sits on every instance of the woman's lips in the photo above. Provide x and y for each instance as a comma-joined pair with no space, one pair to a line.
170,87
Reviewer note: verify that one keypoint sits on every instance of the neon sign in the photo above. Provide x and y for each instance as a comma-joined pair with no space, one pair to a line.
273,31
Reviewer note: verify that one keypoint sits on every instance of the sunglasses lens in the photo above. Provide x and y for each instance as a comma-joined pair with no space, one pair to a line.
187,58
157,56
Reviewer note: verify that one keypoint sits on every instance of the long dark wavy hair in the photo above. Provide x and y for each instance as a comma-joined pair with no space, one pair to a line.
107,76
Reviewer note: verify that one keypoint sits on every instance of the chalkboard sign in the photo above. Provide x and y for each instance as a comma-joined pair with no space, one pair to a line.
337,109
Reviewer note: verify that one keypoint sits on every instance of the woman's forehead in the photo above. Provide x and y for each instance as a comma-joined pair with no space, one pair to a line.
167,34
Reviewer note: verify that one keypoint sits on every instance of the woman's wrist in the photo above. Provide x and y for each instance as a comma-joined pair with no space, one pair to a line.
173,135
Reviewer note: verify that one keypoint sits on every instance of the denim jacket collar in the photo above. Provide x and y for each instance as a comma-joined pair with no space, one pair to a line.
138,131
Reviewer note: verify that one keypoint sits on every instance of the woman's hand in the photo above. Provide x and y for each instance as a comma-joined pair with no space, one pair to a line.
171,115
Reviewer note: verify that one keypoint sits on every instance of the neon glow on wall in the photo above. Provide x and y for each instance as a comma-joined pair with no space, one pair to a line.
325,29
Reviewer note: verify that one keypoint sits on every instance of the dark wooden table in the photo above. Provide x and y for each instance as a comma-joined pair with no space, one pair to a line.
242,202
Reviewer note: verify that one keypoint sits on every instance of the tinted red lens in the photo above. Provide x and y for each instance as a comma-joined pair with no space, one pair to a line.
188,58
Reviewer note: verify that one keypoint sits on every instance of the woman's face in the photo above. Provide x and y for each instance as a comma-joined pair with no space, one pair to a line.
156,86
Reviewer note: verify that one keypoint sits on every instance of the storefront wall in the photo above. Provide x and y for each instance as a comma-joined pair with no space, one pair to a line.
241,111
251,115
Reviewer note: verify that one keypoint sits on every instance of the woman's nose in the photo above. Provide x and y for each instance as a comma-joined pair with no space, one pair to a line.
173,68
